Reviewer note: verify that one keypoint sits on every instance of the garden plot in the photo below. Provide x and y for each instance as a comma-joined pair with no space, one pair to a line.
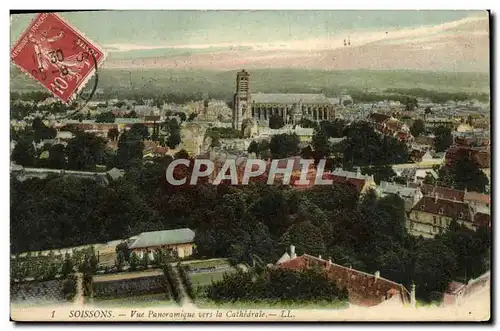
36,293
129,284
203,273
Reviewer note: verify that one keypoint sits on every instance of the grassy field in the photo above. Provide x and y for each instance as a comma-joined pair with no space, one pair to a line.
221,84
205,303
140,301
206,278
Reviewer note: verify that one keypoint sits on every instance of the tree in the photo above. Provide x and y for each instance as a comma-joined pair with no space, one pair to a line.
321,145
182,116
84,151
57,157
443,138
463,174
306,237
105,117
134,261
276,122
24,153
417,128
41,131
123,251
113,134
333,129
253,147
380,173
410,103
139,130
284,145
174,133
307,123
130,148
145,260
435,266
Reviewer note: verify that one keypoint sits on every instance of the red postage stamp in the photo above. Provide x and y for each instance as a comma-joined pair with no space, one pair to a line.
57,55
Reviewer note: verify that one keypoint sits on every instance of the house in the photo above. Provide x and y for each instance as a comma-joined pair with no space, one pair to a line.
410,195
364,289
477,200
433,215
458,293
362,183
442,192
481,155
420,174
482,219
180,241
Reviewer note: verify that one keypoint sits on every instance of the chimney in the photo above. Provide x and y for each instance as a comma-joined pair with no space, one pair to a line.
377,274
413,300
319,256
330,261
292,252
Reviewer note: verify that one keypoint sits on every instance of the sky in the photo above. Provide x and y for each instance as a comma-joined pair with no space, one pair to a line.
166,28
271,39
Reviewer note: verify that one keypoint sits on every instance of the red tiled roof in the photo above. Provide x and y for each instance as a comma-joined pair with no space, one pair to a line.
442,192
482,156
449,208
477,197
453,287
364,289
357,182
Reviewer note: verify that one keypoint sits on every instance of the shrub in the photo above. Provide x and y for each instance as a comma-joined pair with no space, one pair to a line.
69,287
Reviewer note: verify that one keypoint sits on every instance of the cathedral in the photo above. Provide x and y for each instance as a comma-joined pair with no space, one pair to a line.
248,106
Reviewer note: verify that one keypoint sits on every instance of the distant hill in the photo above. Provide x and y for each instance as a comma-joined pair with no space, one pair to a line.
222,83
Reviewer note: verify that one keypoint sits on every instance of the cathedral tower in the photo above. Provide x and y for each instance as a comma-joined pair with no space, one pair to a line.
241,102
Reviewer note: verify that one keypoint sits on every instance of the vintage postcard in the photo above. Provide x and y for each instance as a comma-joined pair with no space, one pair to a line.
223,166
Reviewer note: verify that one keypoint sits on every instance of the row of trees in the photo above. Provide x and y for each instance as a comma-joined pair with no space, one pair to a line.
242,223
85,151
276,285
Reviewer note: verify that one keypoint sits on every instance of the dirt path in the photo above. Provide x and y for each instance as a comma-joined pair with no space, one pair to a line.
79,299
185,300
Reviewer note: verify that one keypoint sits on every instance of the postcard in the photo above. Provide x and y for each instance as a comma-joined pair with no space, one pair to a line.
250,166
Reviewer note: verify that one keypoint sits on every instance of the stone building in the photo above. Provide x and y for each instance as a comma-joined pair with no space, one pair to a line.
292,107
180,241
363,289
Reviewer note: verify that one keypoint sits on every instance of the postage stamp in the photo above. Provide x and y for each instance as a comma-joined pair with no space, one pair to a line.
284,166
58,56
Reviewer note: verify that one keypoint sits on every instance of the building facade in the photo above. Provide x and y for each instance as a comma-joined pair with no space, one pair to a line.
292,107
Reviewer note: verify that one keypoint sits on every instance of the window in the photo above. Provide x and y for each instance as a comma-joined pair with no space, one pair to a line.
441,211
434,219
461,215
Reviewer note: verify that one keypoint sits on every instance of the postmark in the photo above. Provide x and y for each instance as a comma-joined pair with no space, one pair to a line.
57,55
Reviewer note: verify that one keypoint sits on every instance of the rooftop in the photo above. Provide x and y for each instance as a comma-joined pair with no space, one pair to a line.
454,209
161,238
290,98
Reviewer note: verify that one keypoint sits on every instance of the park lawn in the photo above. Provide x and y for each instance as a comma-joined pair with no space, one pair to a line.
138,301
267,304
206,278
